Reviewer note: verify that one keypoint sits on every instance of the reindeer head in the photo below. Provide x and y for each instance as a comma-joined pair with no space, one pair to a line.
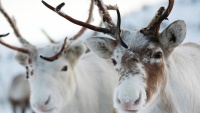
140,56
51,81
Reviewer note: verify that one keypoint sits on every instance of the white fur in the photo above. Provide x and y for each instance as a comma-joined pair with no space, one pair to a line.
179,87
86,87
129,91
182,88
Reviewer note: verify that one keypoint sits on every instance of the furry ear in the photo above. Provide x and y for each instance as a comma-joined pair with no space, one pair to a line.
101,46
75,51
22,58
173,35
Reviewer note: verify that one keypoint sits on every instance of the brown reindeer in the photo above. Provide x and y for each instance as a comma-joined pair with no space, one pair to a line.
19,93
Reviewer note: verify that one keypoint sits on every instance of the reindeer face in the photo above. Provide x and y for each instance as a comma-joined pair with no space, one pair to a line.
141,66
52,83
141,70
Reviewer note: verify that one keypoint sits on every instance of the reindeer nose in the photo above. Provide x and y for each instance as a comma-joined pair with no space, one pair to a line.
42,105
48,100
127,102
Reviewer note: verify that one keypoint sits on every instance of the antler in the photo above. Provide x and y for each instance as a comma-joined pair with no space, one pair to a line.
55,57
74,37
17,33
87,21
154,25
15,48
12,47
47,35
82,30
57,10
4,35
13,25
110,29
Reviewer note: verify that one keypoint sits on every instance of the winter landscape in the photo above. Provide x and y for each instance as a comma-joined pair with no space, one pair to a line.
134,17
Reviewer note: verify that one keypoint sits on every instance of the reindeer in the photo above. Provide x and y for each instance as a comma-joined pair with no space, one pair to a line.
19,93
68,80
157,74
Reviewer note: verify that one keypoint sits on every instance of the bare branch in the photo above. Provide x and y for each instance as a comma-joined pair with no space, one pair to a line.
57,10
55,57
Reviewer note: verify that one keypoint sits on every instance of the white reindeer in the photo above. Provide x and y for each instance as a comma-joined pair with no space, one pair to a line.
157,74
68,82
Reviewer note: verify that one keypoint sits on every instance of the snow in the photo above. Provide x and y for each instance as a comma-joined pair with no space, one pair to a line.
31,16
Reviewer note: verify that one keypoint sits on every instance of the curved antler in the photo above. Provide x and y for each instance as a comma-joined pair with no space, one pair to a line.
87,21
17,33
89,26
118,30
12,47
4,35
110,29
15,48
154,25
75,36
13,25
81,31
55,57
47,35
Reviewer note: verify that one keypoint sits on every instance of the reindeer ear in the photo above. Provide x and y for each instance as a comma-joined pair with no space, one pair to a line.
75,51
173,35
101,46
22,58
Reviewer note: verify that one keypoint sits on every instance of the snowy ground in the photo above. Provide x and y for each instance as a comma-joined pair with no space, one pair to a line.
187,10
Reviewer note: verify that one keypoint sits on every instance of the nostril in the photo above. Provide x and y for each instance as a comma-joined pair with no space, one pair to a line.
47,100
118,101
138,100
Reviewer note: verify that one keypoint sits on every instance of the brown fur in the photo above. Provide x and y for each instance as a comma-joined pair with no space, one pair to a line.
154,78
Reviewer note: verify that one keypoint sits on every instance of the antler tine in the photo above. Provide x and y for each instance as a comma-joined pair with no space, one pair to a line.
106,18
47,35
89,26
55,57
88,21
13,25
154,25
118,30
12,47
110,29
4,35
111,7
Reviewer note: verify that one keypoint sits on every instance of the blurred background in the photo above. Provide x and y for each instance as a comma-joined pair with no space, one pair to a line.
32,16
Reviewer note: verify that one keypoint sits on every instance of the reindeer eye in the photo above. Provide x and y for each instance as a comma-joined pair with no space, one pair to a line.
158,55
64,68
114,62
